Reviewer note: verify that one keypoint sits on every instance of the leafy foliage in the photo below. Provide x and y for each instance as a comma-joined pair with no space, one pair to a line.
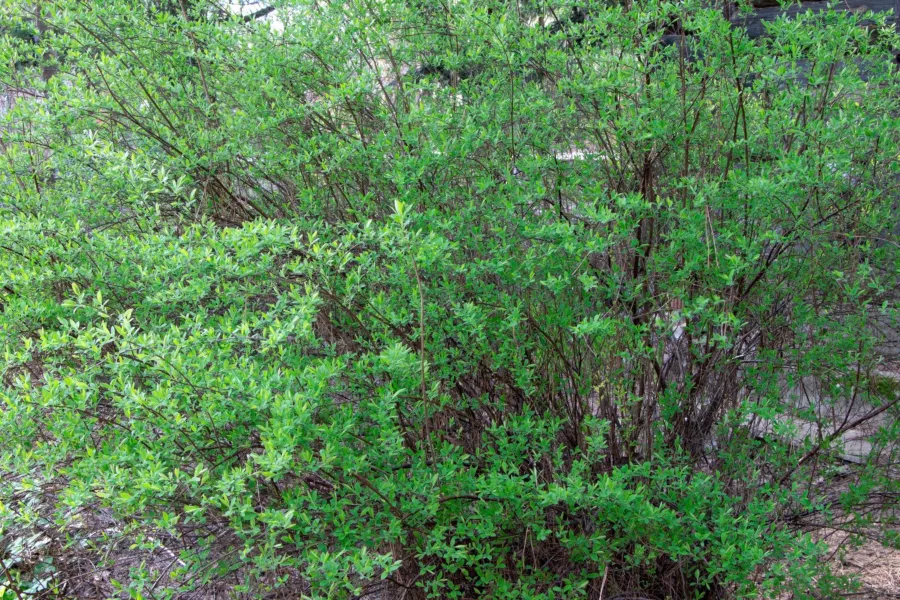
446,300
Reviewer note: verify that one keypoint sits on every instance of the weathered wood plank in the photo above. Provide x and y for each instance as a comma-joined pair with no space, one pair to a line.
851,446
754,23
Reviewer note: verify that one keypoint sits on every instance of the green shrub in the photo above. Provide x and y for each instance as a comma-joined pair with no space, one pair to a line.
446,300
